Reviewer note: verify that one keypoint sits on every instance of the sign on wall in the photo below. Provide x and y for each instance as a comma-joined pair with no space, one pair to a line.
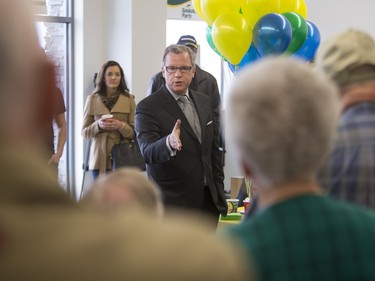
181,10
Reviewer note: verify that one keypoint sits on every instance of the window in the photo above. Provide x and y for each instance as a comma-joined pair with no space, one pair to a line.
54,27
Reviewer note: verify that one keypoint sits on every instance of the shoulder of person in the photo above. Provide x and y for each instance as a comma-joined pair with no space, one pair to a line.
204,74
154,99
157,76
93,97
126,94
198,95
126,97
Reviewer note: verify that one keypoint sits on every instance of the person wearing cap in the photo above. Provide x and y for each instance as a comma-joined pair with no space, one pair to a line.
283,115
348,172
203,82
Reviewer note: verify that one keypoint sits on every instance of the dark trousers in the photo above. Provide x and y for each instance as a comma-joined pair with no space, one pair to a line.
209,208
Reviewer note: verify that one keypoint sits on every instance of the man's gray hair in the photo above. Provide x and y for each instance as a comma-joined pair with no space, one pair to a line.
179,49
282,116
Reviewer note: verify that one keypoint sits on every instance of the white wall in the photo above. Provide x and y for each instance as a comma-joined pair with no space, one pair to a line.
333,16
131,32
89,50
133,42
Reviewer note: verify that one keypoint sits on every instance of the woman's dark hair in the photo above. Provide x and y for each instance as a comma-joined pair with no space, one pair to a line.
100,83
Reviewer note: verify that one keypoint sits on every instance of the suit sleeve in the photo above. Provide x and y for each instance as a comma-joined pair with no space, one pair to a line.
215,96
208,85
148,129
155,83
217,163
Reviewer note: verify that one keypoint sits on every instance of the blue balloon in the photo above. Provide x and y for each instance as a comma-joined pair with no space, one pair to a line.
310,45
251,56
272,34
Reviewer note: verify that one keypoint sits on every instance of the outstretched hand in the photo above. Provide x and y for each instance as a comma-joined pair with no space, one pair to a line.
174,137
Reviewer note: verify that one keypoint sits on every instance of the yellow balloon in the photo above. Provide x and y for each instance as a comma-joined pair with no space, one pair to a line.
265,6
301,8
250,14
287,5
198,10
212,9
232,36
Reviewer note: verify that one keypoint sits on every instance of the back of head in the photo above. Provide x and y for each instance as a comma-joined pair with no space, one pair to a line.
282,116
125,187
348,57
24,78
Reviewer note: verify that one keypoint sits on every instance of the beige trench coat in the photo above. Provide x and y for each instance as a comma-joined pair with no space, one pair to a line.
103,140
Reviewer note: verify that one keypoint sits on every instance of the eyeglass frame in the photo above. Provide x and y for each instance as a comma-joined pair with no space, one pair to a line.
182,69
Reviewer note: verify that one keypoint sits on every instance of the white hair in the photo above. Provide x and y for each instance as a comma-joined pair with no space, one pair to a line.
282,116
126,187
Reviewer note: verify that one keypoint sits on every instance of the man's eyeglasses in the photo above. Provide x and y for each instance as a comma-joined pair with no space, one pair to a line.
183,69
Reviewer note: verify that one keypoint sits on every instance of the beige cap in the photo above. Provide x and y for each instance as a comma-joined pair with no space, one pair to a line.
345,52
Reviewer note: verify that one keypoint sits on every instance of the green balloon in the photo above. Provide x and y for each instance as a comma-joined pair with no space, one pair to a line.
299,31
210,41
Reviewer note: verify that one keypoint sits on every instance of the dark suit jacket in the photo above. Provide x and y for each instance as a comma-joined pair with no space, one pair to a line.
205,83
181,177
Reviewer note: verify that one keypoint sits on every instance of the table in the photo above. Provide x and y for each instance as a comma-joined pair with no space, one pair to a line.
232,219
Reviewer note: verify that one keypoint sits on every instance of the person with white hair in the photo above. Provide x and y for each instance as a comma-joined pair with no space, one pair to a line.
283,114
44,234
125,188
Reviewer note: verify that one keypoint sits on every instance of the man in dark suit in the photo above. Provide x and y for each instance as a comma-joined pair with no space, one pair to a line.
202,81
182,158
